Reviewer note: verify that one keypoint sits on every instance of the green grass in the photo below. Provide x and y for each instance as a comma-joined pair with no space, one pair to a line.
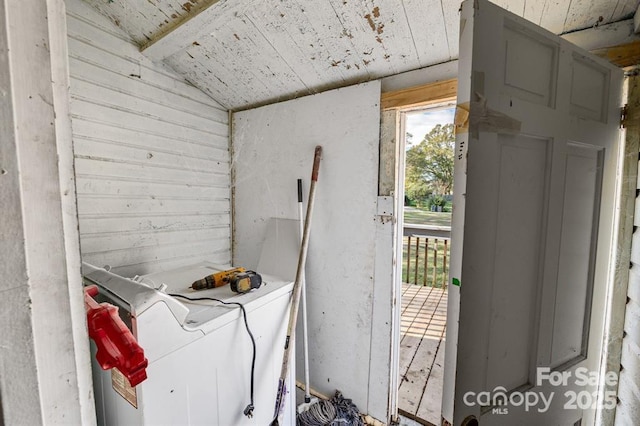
417,216
441,271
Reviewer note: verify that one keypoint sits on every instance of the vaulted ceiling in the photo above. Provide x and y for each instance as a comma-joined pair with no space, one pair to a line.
250,52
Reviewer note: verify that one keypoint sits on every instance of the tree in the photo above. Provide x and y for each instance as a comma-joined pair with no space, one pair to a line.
408,139
430,164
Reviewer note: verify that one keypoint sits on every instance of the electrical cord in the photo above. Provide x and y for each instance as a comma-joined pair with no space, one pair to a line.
248,411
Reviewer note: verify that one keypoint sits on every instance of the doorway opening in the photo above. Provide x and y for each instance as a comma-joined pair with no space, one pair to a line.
427,147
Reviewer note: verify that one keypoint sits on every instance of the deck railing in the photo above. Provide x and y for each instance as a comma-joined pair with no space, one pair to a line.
426,255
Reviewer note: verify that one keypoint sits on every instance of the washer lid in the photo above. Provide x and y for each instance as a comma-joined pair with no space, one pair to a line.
135,296
210,315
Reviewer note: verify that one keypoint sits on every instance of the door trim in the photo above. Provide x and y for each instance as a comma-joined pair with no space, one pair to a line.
421,96
391,182
617,294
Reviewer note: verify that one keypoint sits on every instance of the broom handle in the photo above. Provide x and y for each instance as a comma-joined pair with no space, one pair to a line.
295,301
305,331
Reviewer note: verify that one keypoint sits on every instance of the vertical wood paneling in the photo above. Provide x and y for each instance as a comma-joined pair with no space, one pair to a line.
151,155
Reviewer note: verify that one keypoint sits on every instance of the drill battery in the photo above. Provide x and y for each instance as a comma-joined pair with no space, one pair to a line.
245,281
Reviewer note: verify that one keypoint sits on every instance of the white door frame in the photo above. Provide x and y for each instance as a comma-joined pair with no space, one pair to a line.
617,292
397,264
44,341
399,116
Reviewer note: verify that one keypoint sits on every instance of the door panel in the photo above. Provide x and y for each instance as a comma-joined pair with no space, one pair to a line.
521,173
534,201
577,250
589,89
523,52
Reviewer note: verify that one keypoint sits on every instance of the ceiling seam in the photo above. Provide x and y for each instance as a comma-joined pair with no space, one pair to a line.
446,29
564,24
360,59
276,50
413,39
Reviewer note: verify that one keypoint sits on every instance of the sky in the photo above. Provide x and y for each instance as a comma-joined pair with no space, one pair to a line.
419,123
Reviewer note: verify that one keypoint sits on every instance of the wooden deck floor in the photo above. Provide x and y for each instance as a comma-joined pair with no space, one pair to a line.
424,311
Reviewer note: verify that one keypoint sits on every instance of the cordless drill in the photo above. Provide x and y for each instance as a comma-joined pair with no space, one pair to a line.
240,279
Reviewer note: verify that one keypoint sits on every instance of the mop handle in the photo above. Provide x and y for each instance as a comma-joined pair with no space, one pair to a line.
300,200
295,297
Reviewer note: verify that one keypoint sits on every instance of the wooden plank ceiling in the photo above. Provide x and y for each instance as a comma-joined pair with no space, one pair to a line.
246,53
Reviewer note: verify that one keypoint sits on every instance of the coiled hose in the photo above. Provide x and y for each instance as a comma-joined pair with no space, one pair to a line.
338,411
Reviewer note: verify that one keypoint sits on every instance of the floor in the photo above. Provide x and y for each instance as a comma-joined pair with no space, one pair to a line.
408,422
424,311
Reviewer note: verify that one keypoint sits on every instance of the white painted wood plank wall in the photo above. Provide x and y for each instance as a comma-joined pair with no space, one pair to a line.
151,155
628,409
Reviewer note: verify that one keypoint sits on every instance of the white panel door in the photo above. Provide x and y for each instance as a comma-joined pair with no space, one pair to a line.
535,195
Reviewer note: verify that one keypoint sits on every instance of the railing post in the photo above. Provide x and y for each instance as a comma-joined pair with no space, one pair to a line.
415,277
409,258
426,252
435,262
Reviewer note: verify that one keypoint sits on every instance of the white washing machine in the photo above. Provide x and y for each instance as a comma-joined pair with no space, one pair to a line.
199,354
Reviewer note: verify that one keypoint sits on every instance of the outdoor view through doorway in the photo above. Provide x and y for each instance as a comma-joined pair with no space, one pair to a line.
429,145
